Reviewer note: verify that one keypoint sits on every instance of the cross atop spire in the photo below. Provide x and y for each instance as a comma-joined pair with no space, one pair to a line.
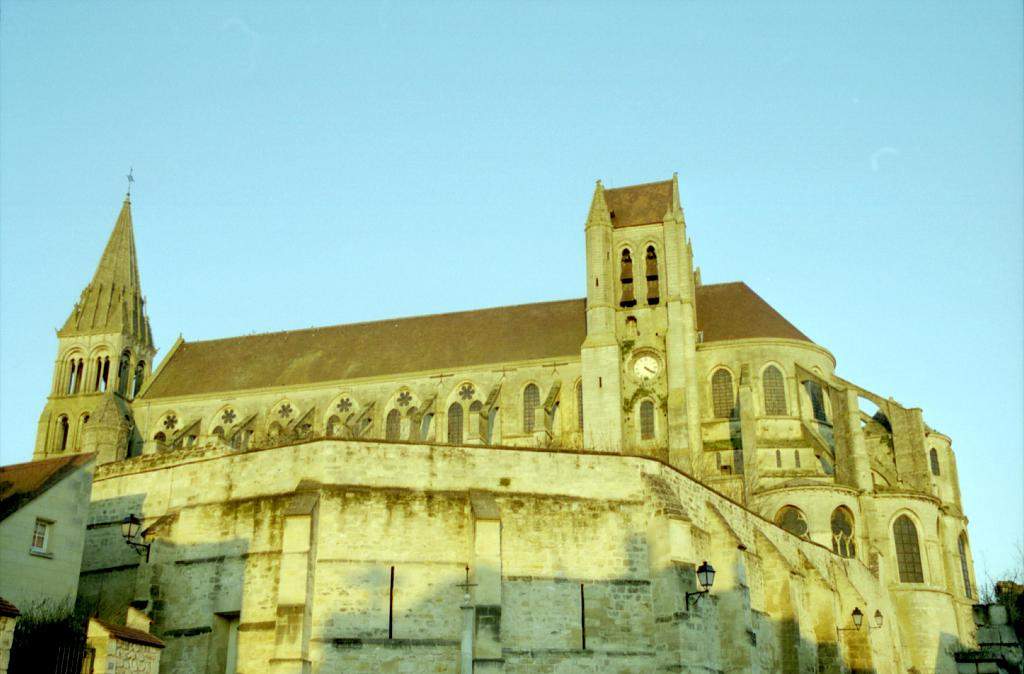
131,179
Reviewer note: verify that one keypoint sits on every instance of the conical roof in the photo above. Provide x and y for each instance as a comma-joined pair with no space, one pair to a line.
112,302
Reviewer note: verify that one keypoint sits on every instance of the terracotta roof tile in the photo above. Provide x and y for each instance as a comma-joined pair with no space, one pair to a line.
8,609
22,482
437,342
639,204
130,634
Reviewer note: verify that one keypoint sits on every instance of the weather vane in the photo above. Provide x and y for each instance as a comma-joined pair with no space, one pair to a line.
131,179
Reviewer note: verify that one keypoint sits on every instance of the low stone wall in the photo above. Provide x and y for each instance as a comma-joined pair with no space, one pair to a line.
7,624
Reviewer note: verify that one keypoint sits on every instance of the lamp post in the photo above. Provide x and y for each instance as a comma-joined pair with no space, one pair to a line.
130,527
705,577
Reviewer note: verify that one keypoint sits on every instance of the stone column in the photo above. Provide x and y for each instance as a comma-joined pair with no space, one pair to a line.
295,584
487,576
748,431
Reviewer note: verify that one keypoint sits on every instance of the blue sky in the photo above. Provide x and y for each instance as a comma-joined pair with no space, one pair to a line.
303,164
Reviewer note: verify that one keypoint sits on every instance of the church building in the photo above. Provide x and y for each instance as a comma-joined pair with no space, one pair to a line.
660,476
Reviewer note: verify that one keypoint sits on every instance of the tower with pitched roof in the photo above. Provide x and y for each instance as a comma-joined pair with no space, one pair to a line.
104,356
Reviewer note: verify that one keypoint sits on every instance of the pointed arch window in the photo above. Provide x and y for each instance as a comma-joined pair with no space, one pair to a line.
531,401
908,551
83,420
140,371
124,366
393,425
63,428
646,420
455,424
476,409
102,373
774,386
842,532
961,544
933,460
492,425
626,279
412,414
792,520
75,368
814,392
428,419
651,272
333,426
160,437
579,405
723,398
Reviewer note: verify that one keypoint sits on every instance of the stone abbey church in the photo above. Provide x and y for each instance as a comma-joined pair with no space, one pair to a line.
518,489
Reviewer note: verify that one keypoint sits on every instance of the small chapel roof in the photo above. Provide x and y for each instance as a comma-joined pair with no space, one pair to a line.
436,342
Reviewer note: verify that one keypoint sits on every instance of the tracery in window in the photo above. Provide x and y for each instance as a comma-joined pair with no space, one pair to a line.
646,420
466,391
455,424
774,386
626,279
933,460
404,398
723,398
961,544
908,552
531,400
170,421
344,405
393,425
842,533
651,272
228,416
792,520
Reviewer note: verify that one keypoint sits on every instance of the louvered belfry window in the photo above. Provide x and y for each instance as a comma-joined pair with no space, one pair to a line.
393,425
651,272
531,400
626,279
774,386
647,420
908,552
455,424
722,396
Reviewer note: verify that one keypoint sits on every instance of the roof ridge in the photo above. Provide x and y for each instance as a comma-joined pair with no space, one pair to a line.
647,184
384,320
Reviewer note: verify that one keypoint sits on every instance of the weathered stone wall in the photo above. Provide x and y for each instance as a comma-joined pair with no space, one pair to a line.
629,529
114,656
7,624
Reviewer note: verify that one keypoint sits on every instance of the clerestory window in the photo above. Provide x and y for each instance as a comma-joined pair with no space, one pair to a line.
908,551
773,384
723,398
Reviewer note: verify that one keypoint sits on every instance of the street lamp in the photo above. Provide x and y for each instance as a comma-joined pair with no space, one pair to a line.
706,577
878,620
858,618
130,527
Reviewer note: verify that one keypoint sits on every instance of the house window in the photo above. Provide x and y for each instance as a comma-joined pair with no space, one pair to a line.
792,520
646,420
842,533
455,424
774,386
393,425
933,459
651,272
908,552
962,545
722,397
531,400
41,536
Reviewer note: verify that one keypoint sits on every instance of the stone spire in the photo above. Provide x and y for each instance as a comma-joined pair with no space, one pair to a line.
112,302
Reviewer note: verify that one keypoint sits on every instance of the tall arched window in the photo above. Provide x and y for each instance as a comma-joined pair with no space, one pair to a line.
333,426
961,544
140,370
579,405
123,368
102,373
75,375
455,424
774,386
63,428
651,272
792,520
842,533
814,392
908,552
83,420
412,414
646,420
492,426
722,396
425,425
531,400
393,425
933,459
476,409
626,279
778,458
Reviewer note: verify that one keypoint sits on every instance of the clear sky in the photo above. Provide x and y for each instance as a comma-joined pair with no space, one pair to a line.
304,164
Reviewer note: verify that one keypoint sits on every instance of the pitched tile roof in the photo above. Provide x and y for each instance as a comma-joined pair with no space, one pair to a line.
8,609
437,342
130,634
639,204
23,482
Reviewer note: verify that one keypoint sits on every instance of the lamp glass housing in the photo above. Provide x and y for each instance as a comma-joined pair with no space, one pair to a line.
705,575
130,527
878,618
858,617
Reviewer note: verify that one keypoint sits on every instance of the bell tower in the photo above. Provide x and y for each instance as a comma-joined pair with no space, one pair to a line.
640,393
104,355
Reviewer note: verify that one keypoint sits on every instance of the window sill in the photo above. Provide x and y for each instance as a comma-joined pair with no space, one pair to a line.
40,553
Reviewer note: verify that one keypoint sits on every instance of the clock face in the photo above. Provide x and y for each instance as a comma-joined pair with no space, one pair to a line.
646,368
